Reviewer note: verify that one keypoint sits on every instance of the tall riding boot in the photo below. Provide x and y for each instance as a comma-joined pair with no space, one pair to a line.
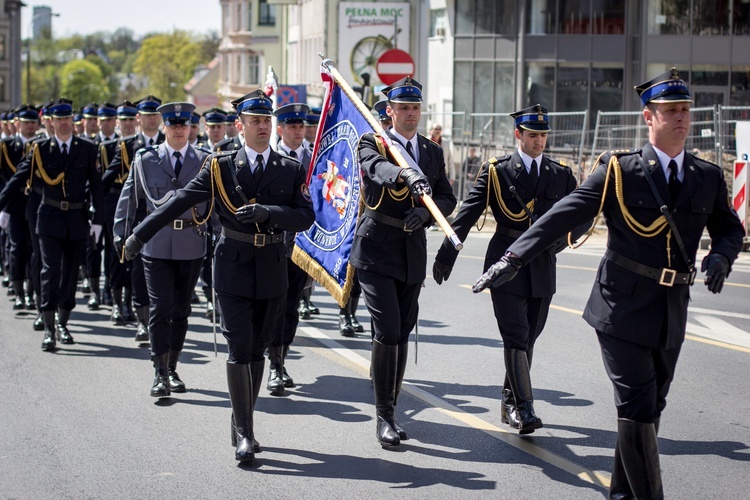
63,334
275,374
107,299
175,384
403,351
639,454
517,368
28,298
304,304
256,372
17,287
38,325
93,303
160,389
384,375
345,320
49,342
508,411
127,305
353,303
288,381
619,487
239,381
141,332
117,313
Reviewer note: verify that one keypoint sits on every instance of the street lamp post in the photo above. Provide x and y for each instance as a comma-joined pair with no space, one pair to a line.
28,50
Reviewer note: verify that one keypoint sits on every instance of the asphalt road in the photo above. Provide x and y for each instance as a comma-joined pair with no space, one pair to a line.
79,423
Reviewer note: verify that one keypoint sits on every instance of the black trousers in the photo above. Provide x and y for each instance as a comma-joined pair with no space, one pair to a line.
520,319
170,286
61,258
94,256
393,306
138,283
287,326
19,256
35,265
641,377
249,325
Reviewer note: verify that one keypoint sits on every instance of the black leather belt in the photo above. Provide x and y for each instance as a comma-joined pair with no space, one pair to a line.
63,205
663,276
513,233
256,239
385,219
180,224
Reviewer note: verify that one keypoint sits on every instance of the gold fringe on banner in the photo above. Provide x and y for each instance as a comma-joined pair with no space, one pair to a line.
319,274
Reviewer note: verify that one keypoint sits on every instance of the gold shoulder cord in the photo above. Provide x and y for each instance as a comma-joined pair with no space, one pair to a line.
395,194
656,227
124,164
494,178
4,147
37,158
214,171
105,159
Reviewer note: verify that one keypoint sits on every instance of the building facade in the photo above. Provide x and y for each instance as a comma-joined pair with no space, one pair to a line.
10,53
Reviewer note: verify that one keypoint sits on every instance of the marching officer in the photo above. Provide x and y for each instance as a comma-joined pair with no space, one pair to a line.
379,109
231,129
390,246
312,119
78,128
172,259
291,130
230,144
90,120
258,195
519,188
67,172
195,128
149,119
214,119
656,201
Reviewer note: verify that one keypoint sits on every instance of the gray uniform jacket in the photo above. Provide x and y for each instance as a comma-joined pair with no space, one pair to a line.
152,170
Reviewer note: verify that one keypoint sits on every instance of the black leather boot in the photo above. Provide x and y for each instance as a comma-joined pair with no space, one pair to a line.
49,342
353,303
403,351
127,305
141,332
346,329
29,301
18,303
517,368
175,384
384,374
508,411
117,313
39,322
256,373
639,454
239,381
288,381
63,334
107,299
275,374
85,287
160,388
94,303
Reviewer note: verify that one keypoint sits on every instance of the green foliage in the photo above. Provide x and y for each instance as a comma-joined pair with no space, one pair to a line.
82,81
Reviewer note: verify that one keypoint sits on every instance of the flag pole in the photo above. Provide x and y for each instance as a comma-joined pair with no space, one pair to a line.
392,149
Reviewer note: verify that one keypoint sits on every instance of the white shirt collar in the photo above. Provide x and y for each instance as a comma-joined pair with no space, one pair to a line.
171,150
299,151
403,140
252,156
664,160
61,142
146,138
528,159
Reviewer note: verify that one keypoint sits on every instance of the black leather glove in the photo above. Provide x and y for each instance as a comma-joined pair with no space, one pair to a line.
502,271
441,272
132,247
416,217
416,182
118,246
253,213
716,267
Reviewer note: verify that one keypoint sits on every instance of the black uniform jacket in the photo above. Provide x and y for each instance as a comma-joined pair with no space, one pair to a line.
383,248
624,304
12,153
537,278
81,181
242,268
230,144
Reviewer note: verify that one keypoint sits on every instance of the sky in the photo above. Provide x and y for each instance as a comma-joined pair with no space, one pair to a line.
142,16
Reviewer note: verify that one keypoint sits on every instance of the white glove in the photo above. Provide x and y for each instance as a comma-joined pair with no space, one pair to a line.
4,219
95,231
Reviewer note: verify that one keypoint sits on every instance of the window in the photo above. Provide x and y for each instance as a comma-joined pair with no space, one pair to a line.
541,16
238,17
465,17
711,17
540,84
266,14
506,22
253,69
740,86
572,88
610,20
485,17
606,90
668,17
741,17
2,48
574,17
249,16
438,22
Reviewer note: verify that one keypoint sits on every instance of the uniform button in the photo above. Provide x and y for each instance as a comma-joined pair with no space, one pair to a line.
611,283
640,202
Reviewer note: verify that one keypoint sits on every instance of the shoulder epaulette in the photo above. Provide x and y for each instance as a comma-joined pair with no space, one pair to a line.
623,152
145,150
702,160
495,160
435,143
558,162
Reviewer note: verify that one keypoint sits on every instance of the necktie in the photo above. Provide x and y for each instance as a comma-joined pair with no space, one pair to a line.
293,154
410,150
177,163
674,182
258,172
65,151
151,142
534,174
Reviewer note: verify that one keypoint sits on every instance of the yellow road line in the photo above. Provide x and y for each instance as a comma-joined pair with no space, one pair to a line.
511,438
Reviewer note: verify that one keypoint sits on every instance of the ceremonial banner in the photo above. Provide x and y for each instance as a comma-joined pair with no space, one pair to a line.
334,181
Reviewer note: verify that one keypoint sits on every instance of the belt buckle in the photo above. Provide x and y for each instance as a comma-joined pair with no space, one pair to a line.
177,224
64,206
693,272
667,277
407,230
259,240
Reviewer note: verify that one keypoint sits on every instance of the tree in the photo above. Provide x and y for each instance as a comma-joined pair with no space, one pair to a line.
82,81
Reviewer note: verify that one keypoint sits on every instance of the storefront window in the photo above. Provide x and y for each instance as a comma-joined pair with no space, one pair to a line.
608,17
711,17
465,17
668,17
606,90
485,16
741,17
575,17
709,75
572,88
739,90
506,17
541,16
540,85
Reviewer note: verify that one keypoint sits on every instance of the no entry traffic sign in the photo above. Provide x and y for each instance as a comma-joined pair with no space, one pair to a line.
394,65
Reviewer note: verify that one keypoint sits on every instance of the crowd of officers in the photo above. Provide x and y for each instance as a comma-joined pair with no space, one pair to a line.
169,207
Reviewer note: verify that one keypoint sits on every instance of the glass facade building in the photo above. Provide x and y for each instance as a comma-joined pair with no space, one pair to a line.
573,55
